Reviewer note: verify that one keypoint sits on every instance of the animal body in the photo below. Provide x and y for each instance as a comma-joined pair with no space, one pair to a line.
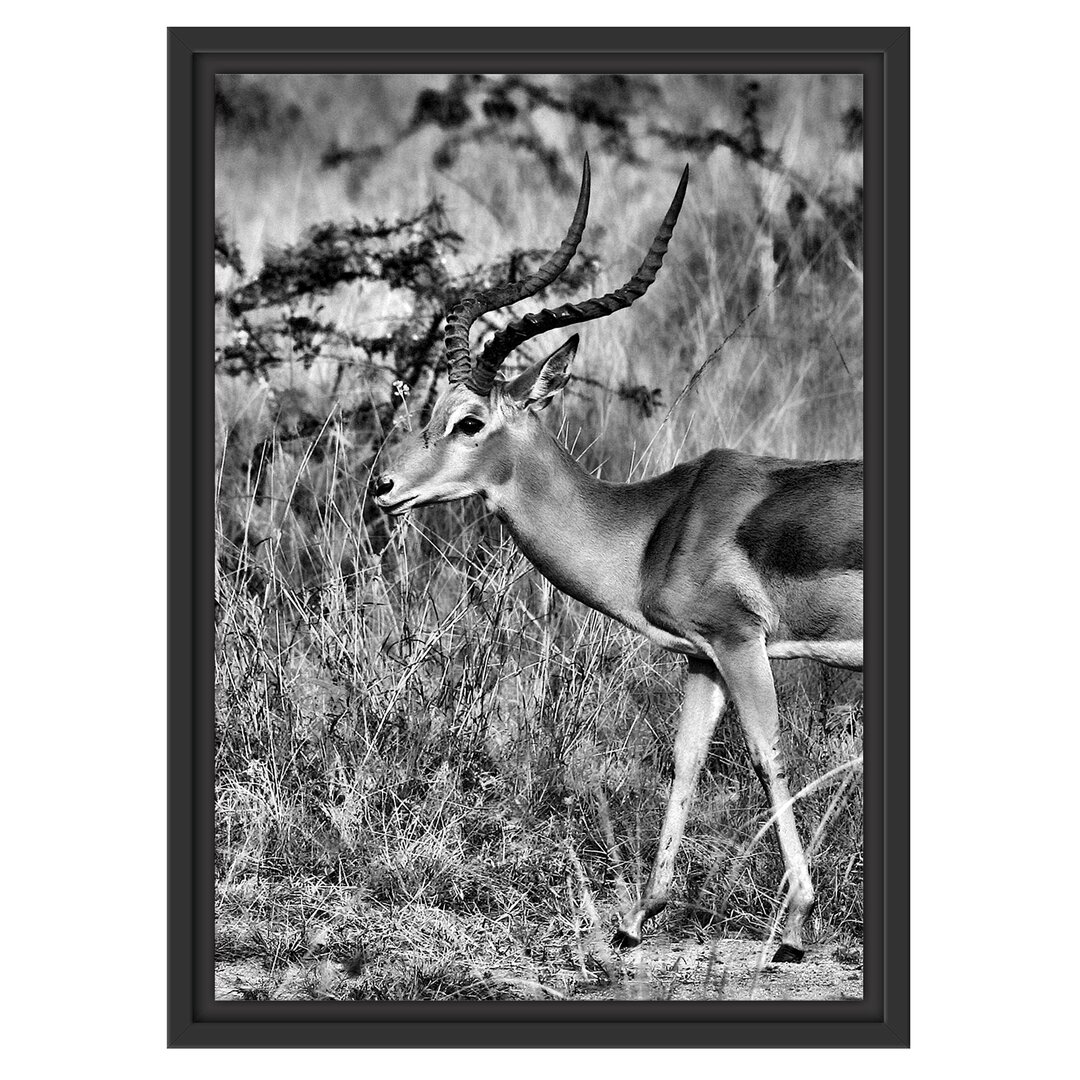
729,559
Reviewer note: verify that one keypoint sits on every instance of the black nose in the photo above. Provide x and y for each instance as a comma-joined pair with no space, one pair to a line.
382,484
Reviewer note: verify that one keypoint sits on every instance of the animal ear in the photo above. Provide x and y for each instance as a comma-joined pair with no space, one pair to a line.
537,385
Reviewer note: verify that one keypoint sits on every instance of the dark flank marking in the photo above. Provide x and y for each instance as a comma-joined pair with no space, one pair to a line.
809,522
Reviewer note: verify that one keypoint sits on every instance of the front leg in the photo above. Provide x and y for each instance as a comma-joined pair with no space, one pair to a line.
703,703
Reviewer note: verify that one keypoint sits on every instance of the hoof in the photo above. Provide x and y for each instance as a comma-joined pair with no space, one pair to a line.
623,939
788,954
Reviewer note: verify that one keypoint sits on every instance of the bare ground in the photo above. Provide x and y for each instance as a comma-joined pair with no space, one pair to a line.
729,969
732,969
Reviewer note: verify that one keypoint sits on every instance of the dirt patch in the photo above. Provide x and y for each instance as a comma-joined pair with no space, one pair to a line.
240,980
730,970
660,969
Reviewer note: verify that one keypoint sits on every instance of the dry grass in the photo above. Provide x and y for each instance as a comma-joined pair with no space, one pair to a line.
432,770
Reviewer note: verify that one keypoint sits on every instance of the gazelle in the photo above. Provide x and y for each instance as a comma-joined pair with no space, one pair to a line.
729,559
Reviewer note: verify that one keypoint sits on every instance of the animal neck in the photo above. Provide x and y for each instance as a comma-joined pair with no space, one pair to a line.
584,535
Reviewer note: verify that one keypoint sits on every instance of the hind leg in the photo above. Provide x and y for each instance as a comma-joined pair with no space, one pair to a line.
749,678
703,702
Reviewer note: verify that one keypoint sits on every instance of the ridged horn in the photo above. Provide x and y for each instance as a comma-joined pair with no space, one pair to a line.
509,338
464,314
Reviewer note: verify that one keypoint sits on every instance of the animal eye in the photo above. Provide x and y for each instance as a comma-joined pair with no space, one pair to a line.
468,425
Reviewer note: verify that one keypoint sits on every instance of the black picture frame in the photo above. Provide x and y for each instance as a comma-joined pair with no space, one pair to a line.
195,55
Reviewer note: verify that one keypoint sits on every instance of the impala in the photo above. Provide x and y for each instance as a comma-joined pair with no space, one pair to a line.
729,559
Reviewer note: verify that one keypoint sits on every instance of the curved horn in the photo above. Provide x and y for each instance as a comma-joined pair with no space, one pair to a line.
464,314
509,338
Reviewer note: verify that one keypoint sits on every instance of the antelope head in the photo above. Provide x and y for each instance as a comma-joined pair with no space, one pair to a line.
482,424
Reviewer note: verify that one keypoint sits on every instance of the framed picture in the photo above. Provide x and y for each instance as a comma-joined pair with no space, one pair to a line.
533,677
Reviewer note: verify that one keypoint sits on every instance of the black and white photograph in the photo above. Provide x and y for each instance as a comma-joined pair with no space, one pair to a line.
538,537
539,548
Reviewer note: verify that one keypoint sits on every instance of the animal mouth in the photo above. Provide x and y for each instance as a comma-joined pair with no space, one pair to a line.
396,509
